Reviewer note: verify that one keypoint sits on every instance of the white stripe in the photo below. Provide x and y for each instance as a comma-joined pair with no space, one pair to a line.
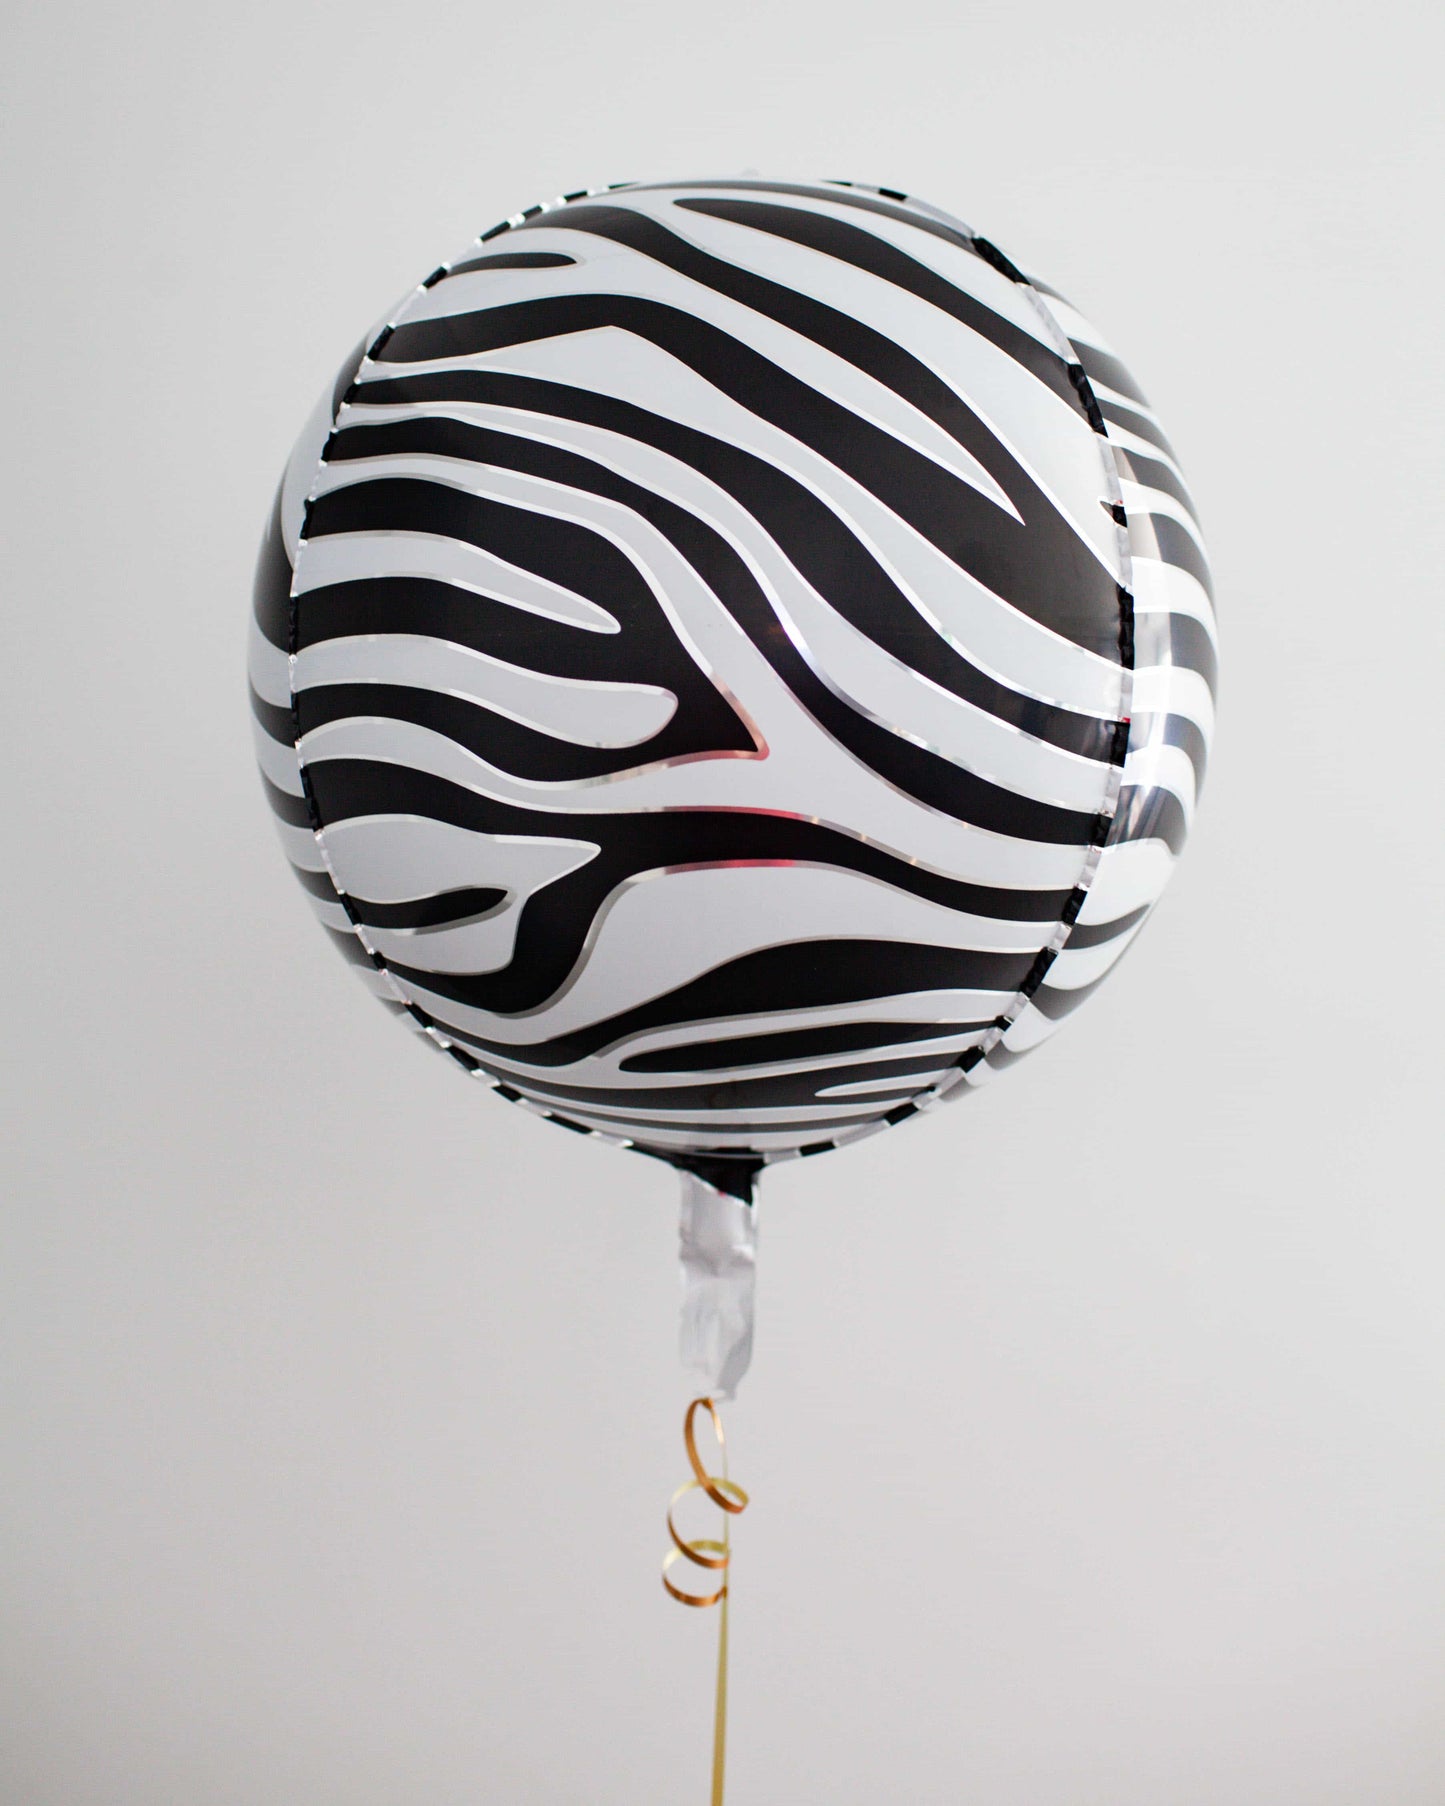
1135,445
1159,766
1074,326
1161,588
836,794
963,268
604,1070
1139,499
376,982
1130,875
300,846
804,762
1102,393
1047,433
970,1081
918,1081
581,712
995,638
400,858
485,945
345,557
779,1143
1174,690
301,468
820,1119
268,668
853,666
905,1006
277,759
1021,651
659,931
1078,966
1029,1028
605,1067
636,275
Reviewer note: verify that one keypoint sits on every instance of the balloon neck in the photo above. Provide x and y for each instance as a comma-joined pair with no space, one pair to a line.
717,1248
737,1175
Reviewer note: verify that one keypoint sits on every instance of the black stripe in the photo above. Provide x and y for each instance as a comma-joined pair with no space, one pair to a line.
874,353
792,1044
290,809
623,1125
1152,814
445,611
276,721
866,251
271,590
1176,639
839,194
796,976
619,1122
412,505
555,920
512,260
777,1091
349,947
346,375
726,1171
1139,425
1191,645
1095,934
560,551
526,752
1180,731
644,650
1005,266
1176,546
1056,1003
444,909
316,884
648,839
1037,562
1155,474
1103,367
814,539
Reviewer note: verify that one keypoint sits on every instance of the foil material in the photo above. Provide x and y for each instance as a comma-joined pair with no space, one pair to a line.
718,1240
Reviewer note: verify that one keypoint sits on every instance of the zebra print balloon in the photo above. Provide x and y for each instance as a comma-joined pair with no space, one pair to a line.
733,663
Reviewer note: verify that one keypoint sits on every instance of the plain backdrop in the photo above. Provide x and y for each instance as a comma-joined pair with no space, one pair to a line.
1094,1432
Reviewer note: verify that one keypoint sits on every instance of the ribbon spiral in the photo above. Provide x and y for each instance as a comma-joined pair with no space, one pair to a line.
713,1554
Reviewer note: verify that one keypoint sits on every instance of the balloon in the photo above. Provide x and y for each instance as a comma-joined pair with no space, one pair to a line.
733,665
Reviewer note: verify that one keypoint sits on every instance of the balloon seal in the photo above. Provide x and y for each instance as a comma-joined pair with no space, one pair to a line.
717,1264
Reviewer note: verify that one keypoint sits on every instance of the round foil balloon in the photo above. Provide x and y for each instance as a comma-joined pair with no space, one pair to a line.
733,663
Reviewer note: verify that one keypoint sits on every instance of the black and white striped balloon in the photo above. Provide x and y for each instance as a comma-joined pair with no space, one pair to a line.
733,663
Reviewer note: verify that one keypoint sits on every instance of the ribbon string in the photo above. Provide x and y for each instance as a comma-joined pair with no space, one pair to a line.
714,1554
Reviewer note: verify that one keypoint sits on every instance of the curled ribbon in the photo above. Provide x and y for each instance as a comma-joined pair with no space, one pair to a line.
713,1554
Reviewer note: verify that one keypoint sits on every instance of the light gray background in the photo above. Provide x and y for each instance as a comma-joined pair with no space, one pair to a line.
1094,1430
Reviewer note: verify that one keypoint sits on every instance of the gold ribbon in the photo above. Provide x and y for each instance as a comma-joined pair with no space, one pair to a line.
712,1553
